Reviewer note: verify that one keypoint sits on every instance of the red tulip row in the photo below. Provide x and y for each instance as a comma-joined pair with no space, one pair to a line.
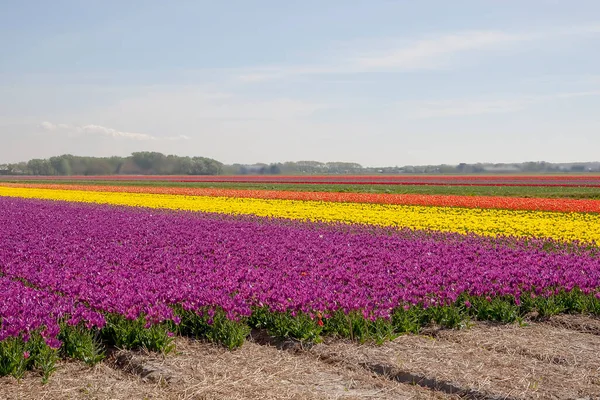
431,180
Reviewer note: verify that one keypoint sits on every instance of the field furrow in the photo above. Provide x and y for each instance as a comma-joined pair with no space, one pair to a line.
480,363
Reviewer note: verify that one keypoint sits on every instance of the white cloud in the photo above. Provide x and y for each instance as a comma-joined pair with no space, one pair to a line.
101,130
92,129
178,137
49,126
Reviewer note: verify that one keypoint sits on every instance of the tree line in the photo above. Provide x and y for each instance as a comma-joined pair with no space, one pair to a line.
295,168
153,163
140,163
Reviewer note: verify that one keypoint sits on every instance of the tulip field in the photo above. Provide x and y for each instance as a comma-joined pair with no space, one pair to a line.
86,266
443,180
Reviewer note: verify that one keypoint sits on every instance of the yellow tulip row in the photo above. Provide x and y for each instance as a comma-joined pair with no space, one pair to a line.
491,222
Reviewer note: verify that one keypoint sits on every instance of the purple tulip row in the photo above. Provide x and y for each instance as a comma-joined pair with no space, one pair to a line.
24,311
142,262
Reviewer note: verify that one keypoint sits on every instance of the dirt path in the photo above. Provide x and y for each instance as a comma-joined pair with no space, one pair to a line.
543,341
557,359
486,361
204,371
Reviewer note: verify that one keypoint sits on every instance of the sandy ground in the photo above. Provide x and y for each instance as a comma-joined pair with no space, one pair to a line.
556,359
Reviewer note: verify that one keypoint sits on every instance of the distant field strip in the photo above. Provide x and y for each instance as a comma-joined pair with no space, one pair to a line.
499,202
562,226
586,180
566,192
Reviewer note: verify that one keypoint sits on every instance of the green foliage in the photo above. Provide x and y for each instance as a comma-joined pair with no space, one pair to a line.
355,326
12,361
409,319
573,301
18,356
285,325
351,325
593,306
496,309
547,307
42,357
81,343
138,163
452,317
217,329
134,334
300,327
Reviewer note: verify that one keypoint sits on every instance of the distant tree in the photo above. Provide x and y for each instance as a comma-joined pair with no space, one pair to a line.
98,166
116,163
5,169
344,167
149,161
274,169
40,167
61,164
447,169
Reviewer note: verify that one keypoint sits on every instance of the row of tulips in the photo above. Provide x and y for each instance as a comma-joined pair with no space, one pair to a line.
152,272
36,324
476,180
498,202
26,311
490,222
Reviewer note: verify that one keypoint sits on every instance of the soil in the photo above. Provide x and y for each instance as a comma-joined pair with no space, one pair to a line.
553,359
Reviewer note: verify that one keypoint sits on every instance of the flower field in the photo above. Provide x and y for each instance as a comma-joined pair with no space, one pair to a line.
500,202
490,222
85,266
587,180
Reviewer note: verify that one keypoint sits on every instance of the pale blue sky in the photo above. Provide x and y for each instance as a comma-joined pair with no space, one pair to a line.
375,82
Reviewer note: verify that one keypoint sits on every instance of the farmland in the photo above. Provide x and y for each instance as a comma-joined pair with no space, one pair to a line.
568,191
312,271
587,180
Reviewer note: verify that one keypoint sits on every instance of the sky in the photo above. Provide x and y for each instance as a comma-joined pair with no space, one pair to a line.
378,82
